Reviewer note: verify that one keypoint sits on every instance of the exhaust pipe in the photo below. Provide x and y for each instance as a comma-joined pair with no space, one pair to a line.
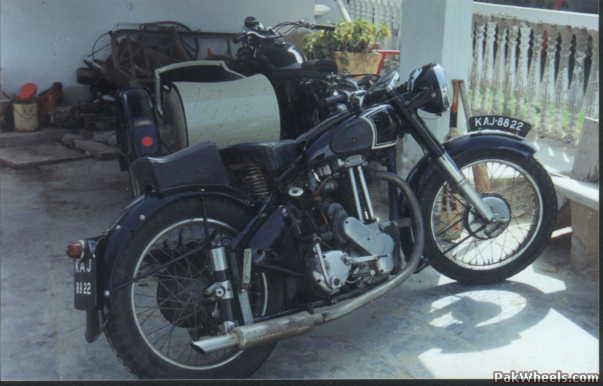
272,330
255,334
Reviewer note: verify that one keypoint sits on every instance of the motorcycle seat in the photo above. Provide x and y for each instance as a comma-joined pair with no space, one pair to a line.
274,156
199,164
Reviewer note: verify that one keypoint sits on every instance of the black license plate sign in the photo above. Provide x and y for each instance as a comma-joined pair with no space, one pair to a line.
84,283
499,122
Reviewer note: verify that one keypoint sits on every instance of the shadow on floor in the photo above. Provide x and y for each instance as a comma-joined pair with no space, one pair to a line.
391,337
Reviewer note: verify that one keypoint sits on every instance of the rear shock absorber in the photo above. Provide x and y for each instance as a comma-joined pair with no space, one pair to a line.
222,287
253,177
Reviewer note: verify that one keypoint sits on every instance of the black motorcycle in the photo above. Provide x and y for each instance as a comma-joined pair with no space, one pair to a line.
300,86
231,250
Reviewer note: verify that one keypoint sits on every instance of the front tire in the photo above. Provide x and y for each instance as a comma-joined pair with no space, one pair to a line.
482,258
126,331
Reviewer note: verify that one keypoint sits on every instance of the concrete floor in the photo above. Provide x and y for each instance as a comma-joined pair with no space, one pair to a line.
545,318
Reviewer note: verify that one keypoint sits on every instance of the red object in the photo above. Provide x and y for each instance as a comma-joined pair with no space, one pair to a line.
385,53
75,249
147,141
49,100
27,92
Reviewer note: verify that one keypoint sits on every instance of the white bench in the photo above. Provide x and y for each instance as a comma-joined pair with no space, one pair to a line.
581,188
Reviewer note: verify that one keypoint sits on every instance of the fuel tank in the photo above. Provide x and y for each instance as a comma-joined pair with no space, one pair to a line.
280,54
376,128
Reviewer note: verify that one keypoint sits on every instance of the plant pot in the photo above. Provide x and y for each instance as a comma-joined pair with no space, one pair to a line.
357,62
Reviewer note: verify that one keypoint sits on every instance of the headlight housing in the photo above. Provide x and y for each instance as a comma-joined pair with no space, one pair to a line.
433,78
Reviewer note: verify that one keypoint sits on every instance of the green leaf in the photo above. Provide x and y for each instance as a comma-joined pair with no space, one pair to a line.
355,36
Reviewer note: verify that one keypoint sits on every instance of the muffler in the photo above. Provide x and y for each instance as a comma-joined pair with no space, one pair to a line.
255,334
287,326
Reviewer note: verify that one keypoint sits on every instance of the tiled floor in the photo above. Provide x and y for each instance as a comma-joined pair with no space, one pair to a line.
545,318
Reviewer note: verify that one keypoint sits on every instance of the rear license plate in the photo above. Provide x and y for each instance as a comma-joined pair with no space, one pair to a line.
84,283
499,122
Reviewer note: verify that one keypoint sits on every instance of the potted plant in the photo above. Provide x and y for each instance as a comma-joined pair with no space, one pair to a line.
351,45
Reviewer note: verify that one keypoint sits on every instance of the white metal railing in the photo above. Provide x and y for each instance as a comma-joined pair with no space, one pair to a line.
536,64
379,11
546,73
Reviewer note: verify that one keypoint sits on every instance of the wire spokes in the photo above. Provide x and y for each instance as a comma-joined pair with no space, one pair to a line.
461,236
168,298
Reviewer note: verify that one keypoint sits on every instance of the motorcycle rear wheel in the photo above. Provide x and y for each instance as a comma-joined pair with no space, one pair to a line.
135,345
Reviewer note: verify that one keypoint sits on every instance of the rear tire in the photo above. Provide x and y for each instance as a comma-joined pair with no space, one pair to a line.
123,332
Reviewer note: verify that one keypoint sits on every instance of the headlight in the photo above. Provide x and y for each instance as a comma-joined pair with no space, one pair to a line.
432,77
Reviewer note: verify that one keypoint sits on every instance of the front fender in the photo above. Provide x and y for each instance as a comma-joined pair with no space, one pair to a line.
116,238
473,142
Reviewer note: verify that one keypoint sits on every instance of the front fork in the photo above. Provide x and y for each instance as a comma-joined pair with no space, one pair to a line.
453,174
447,164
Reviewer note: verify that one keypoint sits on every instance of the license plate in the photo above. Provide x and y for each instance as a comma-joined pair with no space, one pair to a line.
84,283
499,122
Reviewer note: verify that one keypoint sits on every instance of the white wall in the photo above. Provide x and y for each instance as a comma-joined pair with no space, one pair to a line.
333,17
43,41
436,31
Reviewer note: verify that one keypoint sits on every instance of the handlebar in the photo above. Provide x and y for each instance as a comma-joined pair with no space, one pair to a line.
324,27
266,36
258,30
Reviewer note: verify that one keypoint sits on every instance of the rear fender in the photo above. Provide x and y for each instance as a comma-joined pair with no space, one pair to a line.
116,238
472,142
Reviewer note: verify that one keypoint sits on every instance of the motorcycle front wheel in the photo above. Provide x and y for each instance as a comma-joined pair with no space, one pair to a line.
463,247
152,322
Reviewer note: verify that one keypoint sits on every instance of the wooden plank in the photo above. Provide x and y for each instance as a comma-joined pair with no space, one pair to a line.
37,155
20,139
69,139
96,149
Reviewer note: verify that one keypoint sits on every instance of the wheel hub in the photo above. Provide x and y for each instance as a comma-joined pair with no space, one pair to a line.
181,301
483,230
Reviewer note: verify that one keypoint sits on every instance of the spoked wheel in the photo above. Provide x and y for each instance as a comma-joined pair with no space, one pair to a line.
462,246
170,306
153,321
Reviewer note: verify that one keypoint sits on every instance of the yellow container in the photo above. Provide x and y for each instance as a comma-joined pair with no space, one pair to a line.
25,115
356,63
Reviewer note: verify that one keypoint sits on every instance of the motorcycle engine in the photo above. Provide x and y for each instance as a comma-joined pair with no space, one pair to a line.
330,271
366,254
